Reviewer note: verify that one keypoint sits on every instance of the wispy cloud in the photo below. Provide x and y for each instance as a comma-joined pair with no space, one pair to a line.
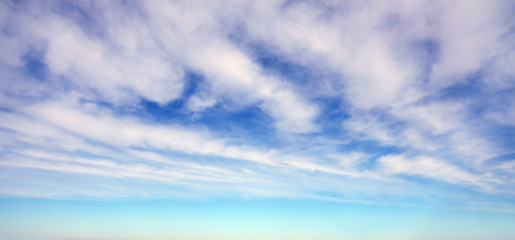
271,98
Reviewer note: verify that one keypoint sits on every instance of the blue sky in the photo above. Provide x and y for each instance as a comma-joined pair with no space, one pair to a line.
306,113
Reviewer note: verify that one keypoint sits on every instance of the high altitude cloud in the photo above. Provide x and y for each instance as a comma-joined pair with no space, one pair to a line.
322,99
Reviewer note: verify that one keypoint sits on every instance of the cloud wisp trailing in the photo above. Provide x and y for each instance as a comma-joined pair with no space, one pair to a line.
296,99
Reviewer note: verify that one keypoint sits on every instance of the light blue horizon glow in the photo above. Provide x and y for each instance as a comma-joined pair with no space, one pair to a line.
243,219
277,119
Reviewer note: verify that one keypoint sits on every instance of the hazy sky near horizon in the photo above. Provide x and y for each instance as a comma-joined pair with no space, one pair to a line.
387,104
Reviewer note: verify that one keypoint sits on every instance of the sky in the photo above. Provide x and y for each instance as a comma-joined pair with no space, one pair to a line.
223,119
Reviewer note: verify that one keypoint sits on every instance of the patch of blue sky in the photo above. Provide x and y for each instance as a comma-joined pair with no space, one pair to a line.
316,82
35,66
335,111
502,158
245,122
472,87
427,53
503,136
370,146
249,123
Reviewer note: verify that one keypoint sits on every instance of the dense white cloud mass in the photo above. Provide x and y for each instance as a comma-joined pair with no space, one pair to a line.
315,99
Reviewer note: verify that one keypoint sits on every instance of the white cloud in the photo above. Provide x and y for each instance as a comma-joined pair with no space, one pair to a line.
433,168
469,37
500,73
350,160
231,74
435,118
200,102
103,127
373,74
116,74
80,138
371,46
391,86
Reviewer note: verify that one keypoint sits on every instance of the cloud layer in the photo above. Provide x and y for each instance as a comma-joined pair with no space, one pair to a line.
310,99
